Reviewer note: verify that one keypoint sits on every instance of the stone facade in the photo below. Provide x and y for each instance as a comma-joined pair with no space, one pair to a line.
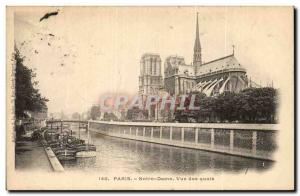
179,77
150,80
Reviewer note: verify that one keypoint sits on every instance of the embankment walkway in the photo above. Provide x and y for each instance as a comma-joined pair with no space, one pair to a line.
31,155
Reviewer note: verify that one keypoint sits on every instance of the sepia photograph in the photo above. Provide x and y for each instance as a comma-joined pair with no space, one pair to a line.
150,98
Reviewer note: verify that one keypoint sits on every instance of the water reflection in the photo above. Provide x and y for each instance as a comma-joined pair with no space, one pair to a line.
129,156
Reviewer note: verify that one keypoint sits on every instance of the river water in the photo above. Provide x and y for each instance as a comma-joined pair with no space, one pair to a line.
115,155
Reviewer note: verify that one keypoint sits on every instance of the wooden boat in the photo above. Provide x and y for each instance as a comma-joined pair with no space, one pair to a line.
85,147
65,151
86,150
51,135
65,157
85,154
72,141
54,144
58,143
65,154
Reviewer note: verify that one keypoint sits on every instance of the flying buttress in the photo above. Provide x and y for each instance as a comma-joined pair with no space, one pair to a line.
224,84
209,91
208,86
200,85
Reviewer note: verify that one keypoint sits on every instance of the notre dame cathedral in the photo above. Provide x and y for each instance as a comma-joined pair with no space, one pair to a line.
212,78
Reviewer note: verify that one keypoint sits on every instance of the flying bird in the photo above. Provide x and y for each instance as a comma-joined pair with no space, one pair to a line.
46,16
50,34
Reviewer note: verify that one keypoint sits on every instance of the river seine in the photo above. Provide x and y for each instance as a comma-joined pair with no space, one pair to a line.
115,155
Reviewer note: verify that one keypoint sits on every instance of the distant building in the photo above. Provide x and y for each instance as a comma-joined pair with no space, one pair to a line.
37,118
38,115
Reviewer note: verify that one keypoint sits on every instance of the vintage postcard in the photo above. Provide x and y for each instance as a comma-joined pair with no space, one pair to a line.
150,98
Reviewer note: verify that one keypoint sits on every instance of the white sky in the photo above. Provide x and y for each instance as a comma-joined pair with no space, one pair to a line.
103,46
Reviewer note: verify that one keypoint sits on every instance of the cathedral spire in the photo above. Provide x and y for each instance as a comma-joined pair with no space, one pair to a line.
197,47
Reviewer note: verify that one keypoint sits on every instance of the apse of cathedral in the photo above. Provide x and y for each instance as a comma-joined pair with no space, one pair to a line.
224,74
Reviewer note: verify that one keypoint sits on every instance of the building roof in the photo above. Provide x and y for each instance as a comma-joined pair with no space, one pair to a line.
187,70
227,63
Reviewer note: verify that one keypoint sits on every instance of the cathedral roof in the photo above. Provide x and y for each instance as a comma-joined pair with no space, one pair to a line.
227,63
